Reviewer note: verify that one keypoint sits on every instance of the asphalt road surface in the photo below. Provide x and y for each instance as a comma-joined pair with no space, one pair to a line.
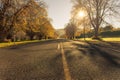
61,60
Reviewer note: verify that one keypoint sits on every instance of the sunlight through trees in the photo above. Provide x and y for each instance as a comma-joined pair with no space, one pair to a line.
97,11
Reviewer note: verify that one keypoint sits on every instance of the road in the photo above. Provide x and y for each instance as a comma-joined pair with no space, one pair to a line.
60,60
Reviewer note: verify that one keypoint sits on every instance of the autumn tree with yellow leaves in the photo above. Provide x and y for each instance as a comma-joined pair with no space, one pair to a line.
27,16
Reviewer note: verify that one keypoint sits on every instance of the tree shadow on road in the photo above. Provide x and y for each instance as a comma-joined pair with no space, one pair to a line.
112,43
36,44
93,51
31,44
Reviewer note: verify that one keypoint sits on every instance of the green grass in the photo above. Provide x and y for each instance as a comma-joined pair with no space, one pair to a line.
87,39
112,39
105,39
16,43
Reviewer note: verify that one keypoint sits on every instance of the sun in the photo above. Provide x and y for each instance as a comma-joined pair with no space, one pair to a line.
81,14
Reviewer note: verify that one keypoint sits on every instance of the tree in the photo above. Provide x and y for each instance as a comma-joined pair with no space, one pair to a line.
97,10
9,10
70,30
32,16
108,28
16,15
46,30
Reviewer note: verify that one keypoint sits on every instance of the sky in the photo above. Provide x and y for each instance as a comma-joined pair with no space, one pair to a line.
59,11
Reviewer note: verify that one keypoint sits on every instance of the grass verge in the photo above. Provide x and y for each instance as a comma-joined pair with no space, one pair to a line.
112,39
104,39
17,43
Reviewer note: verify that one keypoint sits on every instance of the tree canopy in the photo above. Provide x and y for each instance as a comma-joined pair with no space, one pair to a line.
97,11
27,16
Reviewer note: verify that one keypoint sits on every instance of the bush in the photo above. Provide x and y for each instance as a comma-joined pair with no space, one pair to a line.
110,33
97,38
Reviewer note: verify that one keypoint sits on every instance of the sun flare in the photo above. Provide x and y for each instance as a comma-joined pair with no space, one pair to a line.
81,14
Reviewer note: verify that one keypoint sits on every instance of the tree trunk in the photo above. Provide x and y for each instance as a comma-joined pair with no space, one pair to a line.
2,38
96,33
31,37
40,37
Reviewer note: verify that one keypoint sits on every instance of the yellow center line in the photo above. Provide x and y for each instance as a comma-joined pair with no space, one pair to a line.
65,65
58,46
